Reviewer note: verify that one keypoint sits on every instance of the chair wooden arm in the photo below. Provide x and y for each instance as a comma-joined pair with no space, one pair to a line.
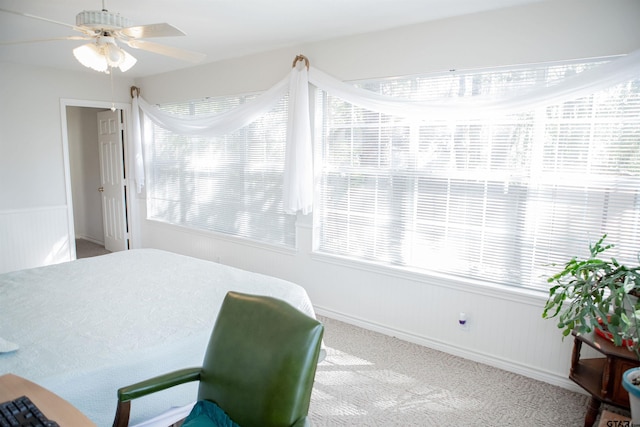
161,382
152,385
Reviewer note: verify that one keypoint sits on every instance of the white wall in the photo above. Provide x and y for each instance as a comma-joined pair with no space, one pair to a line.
505,325
34,225
82,132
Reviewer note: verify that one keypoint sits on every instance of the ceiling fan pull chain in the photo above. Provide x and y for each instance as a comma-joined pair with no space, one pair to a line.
113,103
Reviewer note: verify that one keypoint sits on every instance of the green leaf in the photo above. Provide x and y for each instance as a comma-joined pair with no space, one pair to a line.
628,285
614,319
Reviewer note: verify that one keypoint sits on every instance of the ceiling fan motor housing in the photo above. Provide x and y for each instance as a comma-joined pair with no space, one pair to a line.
102,19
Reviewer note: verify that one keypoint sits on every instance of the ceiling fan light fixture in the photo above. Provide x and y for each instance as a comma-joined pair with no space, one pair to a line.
104,55
128,62
113,54
90,56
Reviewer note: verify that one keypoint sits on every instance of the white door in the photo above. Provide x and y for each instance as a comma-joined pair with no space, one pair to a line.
112,180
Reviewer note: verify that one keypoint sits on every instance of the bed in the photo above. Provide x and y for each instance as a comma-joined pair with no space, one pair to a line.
87,327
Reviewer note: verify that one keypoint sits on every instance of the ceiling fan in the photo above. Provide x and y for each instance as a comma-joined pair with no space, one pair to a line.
104,29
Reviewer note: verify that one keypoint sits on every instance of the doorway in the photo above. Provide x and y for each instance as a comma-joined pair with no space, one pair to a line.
84,180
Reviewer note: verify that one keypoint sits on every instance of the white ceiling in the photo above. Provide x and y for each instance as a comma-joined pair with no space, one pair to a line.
219,28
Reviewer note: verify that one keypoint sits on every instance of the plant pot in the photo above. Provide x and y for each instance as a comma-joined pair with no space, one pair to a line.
609,336
628,378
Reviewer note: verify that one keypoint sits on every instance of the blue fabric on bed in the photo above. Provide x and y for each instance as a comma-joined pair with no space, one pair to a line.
208,414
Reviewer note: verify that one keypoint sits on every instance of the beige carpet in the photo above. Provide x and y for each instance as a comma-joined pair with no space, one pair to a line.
87,249
370,379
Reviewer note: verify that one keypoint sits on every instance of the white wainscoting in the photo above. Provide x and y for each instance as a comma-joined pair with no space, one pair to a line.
34,237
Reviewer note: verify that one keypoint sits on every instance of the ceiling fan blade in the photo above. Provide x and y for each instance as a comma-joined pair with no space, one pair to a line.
185,55
151,30
45,40
28,15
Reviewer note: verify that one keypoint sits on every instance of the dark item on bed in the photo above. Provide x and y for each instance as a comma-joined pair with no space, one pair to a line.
21,397
21,411
259,365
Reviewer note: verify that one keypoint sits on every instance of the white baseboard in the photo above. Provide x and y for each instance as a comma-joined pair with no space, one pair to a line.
486,359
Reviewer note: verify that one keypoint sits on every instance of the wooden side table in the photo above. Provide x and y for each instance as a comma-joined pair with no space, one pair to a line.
601,376
52,406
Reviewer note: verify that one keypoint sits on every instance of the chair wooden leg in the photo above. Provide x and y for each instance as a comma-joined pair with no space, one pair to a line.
122,414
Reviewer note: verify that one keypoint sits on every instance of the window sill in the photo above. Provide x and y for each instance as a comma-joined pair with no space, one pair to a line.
510,293
226,237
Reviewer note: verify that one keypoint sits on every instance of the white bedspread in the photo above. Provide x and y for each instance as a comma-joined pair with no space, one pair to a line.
88,327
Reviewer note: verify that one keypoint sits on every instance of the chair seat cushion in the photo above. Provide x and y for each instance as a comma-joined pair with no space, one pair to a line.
208,414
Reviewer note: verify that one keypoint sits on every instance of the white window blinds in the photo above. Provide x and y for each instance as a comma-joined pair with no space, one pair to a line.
230,184
498,199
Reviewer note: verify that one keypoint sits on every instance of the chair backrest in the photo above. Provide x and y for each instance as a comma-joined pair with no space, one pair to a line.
261,360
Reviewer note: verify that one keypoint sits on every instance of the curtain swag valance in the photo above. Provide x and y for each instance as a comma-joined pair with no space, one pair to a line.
298,173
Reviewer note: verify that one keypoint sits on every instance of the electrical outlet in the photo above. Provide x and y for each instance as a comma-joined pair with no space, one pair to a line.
463,322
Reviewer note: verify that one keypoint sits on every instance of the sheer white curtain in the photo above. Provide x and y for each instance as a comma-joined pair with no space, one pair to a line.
138,165
298,172
217,124
608,74
298,176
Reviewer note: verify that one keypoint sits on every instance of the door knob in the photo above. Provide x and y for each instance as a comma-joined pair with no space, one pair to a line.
101,189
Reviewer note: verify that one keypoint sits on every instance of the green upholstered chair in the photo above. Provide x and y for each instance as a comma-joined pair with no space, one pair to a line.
259,365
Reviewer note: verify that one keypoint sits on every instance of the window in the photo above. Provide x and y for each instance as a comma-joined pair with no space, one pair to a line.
497,200
230,184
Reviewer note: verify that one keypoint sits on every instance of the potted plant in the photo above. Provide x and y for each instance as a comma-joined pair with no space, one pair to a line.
601,295
597,294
